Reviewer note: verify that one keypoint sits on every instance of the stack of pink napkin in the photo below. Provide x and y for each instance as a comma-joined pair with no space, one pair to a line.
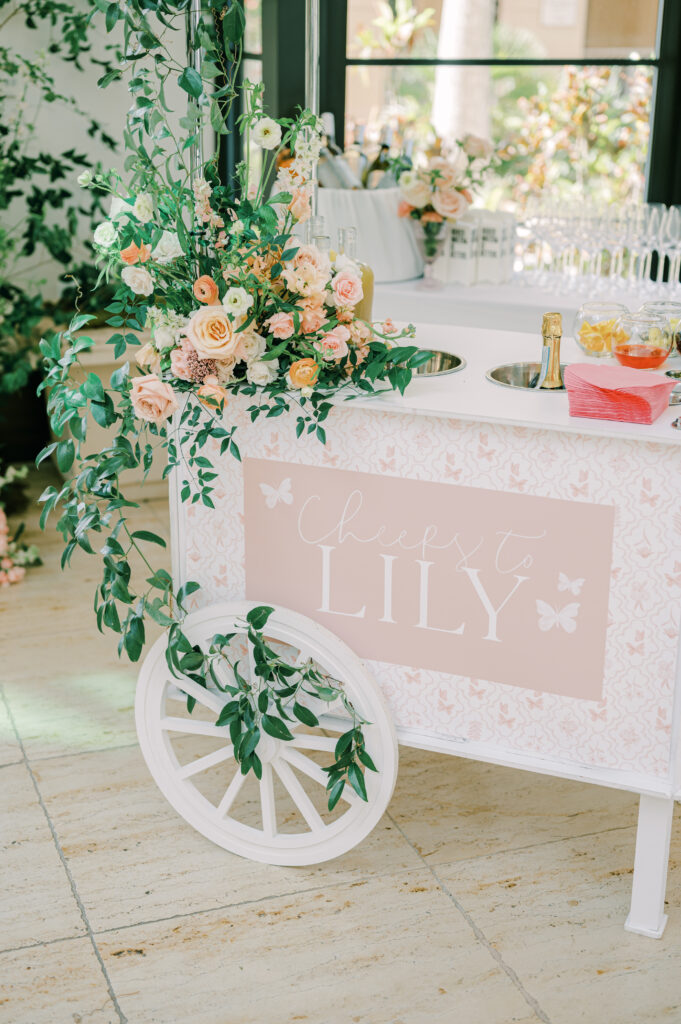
617,392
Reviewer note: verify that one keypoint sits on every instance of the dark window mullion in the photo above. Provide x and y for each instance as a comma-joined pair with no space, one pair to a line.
500,63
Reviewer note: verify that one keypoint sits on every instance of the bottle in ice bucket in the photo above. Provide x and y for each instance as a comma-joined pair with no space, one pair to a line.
643,340
347,244
550,377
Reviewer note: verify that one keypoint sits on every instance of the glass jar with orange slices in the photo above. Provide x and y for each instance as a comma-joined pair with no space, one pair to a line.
594,328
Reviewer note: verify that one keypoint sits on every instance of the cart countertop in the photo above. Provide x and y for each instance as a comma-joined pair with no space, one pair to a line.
468,395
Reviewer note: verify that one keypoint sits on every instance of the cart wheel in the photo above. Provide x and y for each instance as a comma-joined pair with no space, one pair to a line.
284,817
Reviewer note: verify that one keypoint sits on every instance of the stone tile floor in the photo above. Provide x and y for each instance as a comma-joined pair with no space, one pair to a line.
485,896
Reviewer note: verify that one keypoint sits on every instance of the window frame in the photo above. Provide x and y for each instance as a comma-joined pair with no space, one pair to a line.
284,76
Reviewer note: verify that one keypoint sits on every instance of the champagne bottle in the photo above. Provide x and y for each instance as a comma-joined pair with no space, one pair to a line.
380,164
333,170
349,243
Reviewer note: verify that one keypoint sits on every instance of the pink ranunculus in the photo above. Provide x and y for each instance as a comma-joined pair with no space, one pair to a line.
152,399
334,344
281,325
404,209
313,316
6,563
449,202
178,360
16,574
347,288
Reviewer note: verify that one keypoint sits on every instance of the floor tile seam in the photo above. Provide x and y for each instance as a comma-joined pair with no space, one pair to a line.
480,935
44,942
80,753
255,901
74,891
531,846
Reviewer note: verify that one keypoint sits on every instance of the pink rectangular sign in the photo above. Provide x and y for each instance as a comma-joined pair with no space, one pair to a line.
487,584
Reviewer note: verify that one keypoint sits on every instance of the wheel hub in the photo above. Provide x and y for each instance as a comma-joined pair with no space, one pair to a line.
268,748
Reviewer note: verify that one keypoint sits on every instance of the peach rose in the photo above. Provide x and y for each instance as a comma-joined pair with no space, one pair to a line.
211,333
311,254
153,399
313,315
16,574
281,325
206,290
299,206
305,279
148,358
347,288
303,373
211,394
449,203
334,344
404,208
134,253
476,147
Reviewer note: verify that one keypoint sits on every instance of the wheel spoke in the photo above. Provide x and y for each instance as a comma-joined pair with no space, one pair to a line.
208,761
308,767
194,726
230,794
267,806
298,795
199,693
308,741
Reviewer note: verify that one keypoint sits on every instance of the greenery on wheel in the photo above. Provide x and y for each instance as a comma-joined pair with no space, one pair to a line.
272,697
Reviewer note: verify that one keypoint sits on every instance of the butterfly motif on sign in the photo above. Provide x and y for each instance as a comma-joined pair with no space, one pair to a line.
273,495
574,586
563,618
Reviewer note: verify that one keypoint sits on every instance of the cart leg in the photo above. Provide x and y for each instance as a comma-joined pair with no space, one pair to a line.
646,915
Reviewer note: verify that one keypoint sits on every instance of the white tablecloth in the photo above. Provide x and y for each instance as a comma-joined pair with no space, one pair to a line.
508,307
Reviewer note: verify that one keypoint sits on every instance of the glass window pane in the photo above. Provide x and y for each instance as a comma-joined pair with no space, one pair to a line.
253,33
573,130
456,29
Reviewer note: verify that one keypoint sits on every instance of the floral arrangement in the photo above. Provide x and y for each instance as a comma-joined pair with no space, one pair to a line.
15,557
441,190
235,302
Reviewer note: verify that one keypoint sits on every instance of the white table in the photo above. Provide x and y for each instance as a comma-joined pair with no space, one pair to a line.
503,306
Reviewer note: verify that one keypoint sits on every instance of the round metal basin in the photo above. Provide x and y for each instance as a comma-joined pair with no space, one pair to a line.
439,364
520,375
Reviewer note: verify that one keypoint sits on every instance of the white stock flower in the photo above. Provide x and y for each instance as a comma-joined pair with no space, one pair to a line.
85,178
143,207
262,373
237,301
266,133
105,234
308,146
167,248
138,280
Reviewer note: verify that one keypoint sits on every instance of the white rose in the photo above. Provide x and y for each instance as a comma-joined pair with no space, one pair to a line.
118,208
237,301
477,147
105,234
253,346
266,133
343,262
262,373
148,358
143,207
167,248
84,179
138,280
414,189
164,338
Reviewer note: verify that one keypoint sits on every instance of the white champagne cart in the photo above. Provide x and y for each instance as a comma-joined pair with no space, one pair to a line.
501,592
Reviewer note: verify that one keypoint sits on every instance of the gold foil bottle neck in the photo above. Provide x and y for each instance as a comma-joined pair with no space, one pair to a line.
552,325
